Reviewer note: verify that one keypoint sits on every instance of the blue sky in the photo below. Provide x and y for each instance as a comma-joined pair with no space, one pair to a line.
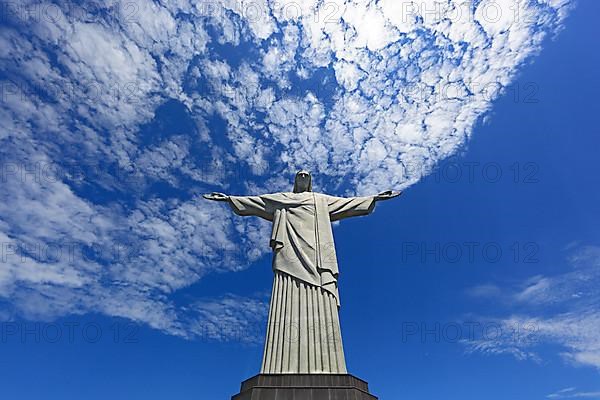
118,281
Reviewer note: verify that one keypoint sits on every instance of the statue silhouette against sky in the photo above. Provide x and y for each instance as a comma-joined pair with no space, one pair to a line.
303,332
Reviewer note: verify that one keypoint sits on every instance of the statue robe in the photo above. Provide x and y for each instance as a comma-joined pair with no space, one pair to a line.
303,333
302,239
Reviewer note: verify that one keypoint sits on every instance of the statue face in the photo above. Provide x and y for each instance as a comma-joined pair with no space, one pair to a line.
302,183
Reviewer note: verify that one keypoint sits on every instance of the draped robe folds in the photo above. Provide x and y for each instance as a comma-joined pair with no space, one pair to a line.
303,334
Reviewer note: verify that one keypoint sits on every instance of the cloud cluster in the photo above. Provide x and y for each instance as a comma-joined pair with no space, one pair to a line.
573,393
561,309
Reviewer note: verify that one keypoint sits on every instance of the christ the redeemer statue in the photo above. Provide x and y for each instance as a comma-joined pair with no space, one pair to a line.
303,332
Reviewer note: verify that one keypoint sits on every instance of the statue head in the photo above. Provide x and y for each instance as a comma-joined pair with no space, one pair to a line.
303,182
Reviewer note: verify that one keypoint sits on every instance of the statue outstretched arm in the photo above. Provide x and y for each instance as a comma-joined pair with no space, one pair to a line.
245,205
345,207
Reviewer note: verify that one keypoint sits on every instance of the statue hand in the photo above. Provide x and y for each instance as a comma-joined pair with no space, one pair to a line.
216,196
388,194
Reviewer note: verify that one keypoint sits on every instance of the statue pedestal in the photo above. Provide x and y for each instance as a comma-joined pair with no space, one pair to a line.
304,387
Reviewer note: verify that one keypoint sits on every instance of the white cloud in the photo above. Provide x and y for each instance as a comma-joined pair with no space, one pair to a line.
560,309
573,393
230,318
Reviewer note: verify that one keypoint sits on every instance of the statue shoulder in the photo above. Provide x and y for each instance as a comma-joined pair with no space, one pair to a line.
276,196
324,195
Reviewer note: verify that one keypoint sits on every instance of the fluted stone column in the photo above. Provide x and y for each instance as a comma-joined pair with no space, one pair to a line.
303,331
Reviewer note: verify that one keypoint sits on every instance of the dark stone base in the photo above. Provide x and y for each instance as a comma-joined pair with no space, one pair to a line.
304,387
